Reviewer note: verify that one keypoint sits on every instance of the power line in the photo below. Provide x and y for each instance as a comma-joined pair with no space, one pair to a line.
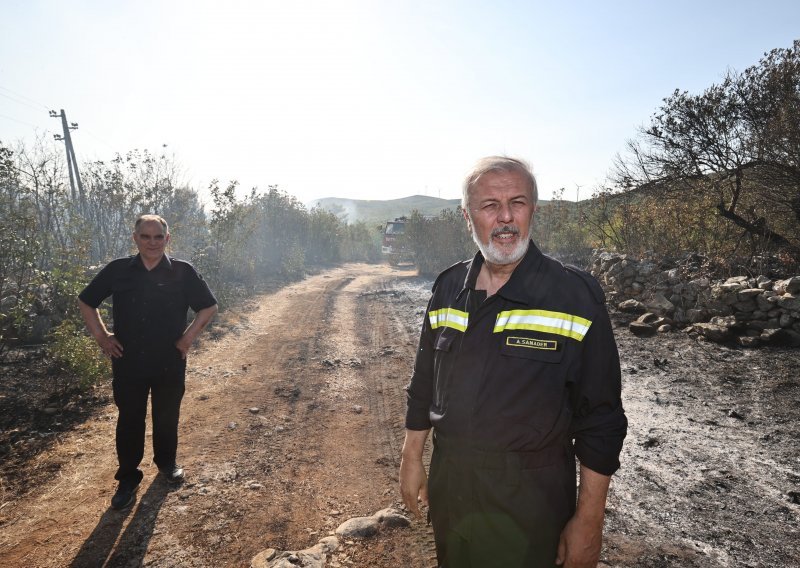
22,97
17,120
96,137
16,98
18,101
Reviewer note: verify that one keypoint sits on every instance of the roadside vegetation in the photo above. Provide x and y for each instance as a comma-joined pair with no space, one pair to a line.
715,173
53,240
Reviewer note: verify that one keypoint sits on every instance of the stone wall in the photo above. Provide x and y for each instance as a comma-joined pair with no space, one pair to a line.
748,310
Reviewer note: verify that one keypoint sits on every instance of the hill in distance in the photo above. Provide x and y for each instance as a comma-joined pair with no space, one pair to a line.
379,211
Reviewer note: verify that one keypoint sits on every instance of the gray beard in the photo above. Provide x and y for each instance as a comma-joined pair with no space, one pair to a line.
493,255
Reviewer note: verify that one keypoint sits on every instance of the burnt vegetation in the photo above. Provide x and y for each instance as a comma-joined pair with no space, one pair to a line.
715,174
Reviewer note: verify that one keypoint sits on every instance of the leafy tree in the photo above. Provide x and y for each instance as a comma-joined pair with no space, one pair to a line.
325,230
120,190
559,229
188,226
771,91
735,146
360,243
437,242
19,252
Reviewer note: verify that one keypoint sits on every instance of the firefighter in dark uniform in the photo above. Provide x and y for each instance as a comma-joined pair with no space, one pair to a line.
151,293
517,373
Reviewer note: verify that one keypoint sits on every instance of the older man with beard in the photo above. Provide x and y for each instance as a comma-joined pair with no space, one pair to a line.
517,373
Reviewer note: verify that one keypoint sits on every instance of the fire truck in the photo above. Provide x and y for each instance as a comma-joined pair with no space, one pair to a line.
392,247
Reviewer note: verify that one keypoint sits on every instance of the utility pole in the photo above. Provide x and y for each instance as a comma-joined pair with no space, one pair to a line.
72,161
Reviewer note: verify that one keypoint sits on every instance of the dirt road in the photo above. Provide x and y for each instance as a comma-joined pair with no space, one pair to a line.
292,423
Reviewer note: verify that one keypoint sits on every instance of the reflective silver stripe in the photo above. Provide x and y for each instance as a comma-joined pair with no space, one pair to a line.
557,323
449,317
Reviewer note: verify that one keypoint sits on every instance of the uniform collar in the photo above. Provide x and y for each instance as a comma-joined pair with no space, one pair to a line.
520,286
165,262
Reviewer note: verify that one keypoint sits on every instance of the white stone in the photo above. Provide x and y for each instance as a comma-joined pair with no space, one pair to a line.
700,282
261,559
660,303
749,294
392,518
360,527
789,302
788,286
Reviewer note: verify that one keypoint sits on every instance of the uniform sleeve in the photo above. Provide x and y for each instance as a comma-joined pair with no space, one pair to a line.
419,391
99,288
198,295
599,424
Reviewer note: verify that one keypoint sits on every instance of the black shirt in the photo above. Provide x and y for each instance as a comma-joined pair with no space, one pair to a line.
150,308
533,366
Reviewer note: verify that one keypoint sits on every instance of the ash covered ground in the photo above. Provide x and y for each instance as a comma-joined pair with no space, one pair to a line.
711,466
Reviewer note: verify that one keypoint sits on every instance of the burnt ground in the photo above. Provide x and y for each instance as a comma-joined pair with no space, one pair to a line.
711,466
288,430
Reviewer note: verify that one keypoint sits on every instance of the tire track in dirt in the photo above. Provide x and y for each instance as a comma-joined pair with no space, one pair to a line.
394,345
276,452
326,461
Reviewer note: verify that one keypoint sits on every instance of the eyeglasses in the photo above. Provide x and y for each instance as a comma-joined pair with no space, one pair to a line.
147,238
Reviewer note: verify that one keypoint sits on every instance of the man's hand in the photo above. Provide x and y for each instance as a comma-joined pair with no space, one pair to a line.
579,545
183,345
582,537
199,322
413,481
110,345
413,484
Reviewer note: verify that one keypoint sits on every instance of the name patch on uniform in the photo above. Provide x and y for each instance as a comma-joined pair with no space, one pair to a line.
530,343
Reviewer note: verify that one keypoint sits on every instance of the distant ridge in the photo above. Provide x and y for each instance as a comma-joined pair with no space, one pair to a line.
376,210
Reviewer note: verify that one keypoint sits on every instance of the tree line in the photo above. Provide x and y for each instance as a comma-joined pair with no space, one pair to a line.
715,173
52,242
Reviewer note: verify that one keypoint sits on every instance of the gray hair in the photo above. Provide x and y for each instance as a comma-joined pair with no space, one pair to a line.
148,219
495,164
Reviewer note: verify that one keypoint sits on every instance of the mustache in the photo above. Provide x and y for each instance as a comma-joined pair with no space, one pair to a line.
506,229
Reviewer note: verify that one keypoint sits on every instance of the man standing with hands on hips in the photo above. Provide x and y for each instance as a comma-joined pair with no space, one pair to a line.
517,374
151,294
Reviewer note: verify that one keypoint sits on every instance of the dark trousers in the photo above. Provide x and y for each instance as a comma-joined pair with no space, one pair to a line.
499,508
130,396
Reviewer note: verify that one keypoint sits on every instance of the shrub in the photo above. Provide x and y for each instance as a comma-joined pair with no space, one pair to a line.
437,242
77,355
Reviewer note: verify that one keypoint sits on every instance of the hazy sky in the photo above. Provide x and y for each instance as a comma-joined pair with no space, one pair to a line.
368,99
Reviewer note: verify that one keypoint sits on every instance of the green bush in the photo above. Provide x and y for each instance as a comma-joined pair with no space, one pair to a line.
293,263
437,242
77,355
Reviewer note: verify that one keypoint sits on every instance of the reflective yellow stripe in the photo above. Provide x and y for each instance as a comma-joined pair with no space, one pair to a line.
557,323
449,317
